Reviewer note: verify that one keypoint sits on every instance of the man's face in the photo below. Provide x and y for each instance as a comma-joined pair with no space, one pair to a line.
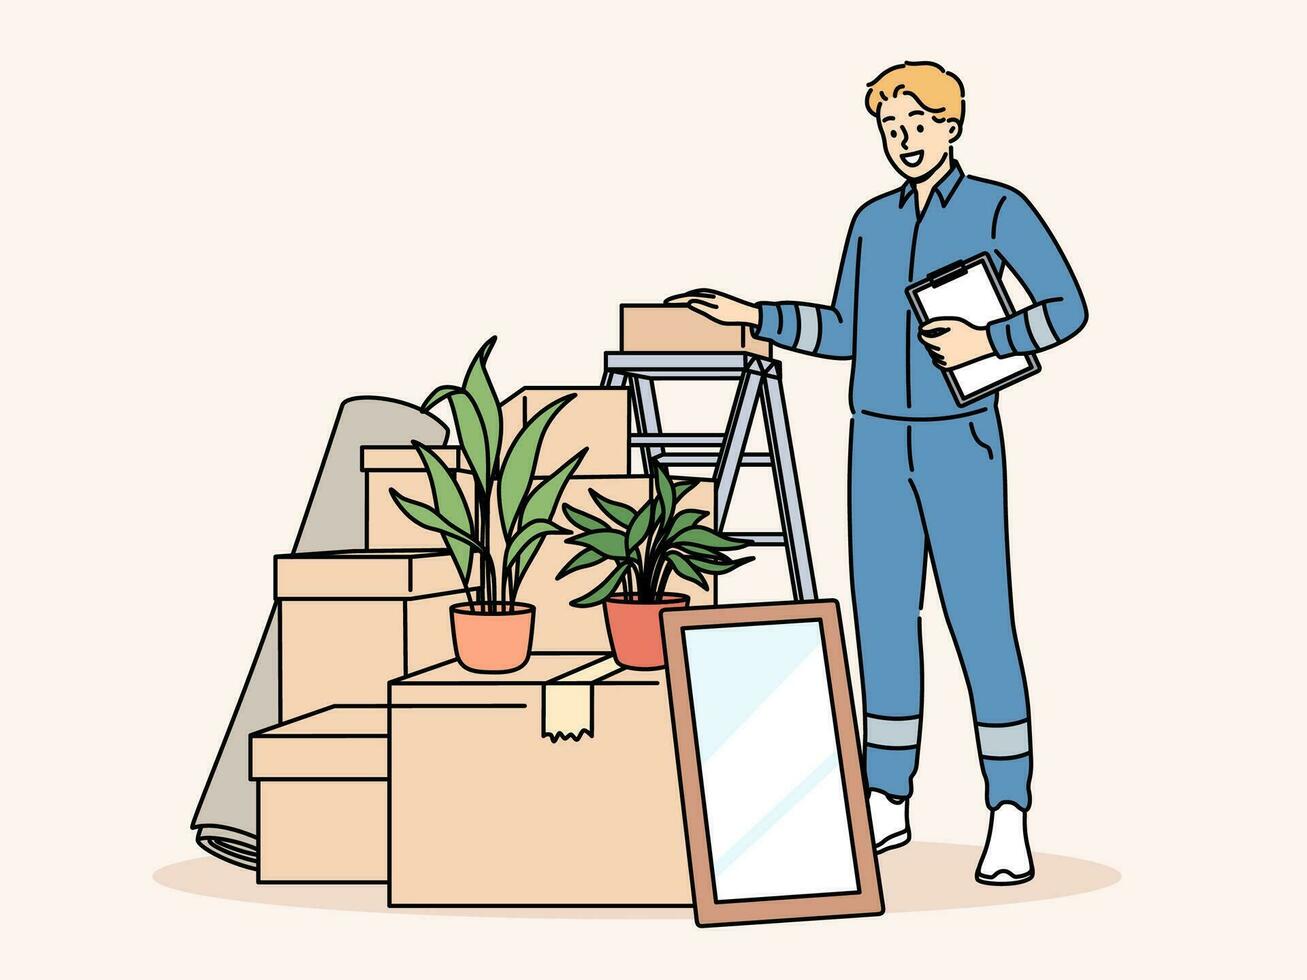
914,142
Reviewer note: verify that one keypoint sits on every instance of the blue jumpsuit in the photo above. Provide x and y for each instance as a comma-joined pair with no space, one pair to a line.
927,477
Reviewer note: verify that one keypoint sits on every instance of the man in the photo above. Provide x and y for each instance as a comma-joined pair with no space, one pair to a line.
927,476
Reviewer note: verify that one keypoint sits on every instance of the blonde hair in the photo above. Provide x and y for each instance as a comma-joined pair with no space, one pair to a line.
939,92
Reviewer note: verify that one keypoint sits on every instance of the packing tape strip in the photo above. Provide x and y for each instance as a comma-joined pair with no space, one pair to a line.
569,701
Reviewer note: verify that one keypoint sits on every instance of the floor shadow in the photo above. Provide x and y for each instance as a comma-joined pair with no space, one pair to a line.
931,877
922,877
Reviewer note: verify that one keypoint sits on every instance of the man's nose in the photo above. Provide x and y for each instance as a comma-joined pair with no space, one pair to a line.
904,141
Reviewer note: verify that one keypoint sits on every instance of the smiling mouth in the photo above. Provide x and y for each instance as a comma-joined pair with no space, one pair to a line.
912,159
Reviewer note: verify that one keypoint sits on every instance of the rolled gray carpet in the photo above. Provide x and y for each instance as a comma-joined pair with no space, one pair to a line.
224,820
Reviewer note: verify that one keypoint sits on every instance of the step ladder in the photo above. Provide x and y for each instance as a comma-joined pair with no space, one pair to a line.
758,381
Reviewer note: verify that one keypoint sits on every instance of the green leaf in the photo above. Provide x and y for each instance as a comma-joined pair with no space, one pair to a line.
583,520
528,535
616,511
698,549
685,487
482,392
639,528
708,539
610,544
710,567
543,501
520,463
683,521
585,558
686,570
445,492
438,396
666,494
459,545
603,590
472,437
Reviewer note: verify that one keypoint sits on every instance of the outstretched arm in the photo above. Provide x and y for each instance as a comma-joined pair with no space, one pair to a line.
826,331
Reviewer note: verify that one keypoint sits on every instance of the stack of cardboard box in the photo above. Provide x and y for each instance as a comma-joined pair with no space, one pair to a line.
526,794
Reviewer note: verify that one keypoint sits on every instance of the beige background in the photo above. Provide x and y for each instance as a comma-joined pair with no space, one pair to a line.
217,220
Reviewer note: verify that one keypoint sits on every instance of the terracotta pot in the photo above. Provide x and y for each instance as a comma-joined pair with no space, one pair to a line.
492,641
635,630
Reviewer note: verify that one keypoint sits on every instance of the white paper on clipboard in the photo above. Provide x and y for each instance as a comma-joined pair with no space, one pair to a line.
971,290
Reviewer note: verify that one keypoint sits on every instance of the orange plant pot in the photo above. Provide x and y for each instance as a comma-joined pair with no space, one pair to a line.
493,642
635,630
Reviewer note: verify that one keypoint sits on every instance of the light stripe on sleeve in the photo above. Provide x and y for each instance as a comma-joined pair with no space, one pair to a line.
1041,331
809,329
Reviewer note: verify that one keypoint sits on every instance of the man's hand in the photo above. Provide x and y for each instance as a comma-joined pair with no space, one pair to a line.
953,343
718,307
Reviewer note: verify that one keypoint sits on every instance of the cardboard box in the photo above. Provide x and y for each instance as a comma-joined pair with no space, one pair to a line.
659,327
322,797
597,419
351,621
488,809
400,467
560,626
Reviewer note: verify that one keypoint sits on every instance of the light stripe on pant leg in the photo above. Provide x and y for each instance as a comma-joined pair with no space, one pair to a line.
1004,741
893,733
809,329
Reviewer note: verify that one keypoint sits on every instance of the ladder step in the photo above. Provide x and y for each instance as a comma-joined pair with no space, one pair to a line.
710,459
677,439
759,538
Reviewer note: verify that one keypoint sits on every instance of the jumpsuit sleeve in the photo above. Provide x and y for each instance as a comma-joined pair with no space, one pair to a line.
826,331
1023,241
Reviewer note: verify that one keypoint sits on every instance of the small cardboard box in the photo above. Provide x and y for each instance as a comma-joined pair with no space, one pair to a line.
321,813
400,468
552,785
672,328
597,419
351,621
558,624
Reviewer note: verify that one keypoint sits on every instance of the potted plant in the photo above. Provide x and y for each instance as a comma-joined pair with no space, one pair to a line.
645,547
492,630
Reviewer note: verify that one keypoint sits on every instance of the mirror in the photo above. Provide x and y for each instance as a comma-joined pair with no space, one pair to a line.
771,777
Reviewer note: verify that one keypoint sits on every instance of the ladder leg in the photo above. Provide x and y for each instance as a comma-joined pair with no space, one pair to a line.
732,451
787,490
648,423
617,379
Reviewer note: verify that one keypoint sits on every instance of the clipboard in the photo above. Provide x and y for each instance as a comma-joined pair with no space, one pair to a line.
971,290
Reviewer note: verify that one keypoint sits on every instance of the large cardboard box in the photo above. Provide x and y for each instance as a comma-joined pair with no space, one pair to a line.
351,621
660,327
400,467
597,419
559,625
552,785
321,813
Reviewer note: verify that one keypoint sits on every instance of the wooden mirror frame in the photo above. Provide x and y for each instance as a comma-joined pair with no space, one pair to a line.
708,911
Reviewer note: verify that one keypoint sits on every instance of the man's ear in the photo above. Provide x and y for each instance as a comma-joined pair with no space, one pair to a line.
954,130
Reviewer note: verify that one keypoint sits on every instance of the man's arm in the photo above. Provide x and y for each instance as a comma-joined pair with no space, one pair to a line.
826,331
1023,241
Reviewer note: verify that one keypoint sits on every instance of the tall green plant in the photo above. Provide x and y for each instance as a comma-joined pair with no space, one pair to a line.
647,545
501,486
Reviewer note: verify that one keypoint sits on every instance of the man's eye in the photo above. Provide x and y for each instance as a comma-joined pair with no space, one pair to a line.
920,128
893,134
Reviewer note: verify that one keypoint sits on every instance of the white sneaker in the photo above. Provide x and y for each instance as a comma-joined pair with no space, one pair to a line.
889,821
1007,859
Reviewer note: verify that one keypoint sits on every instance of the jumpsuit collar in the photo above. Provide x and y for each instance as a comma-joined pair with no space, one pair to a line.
943,190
